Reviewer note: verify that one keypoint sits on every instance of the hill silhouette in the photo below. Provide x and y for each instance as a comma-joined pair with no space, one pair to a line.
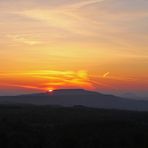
74,97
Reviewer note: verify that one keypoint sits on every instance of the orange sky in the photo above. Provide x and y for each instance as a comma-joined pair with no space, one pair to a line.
93,44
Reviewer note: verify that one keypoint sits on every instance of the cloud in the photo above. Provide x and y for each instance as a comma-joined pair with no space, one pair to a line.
81,4
58,79
20,86
58,18
106,74
67,16
45,79
106,21
23,39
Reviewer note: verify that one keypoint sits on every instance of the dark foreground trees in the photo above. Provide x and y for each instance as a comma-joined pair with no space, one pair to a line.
77,127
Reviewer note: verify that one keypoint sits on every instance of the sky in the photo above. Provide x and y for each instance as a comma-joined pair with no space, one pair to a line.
98,45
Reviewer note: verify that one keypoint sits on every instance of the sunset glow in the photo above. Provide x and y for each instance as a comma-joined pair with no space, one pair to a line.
98,45
50,90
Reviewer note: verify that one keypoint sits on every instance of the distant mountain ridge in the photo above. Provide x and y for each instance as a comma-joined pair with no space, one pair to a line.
72,92
64,92
73,97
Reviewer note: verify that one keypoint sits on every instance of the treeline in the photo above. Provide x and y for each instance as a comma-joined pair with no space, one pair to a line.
76,127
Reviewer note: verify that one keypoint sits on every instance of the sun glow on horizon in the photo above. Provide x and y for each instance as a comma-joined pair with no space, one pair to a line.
50,90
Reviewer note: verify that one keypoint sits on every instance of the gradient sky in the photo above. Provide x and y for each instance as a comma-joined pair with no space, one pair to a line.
99,45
